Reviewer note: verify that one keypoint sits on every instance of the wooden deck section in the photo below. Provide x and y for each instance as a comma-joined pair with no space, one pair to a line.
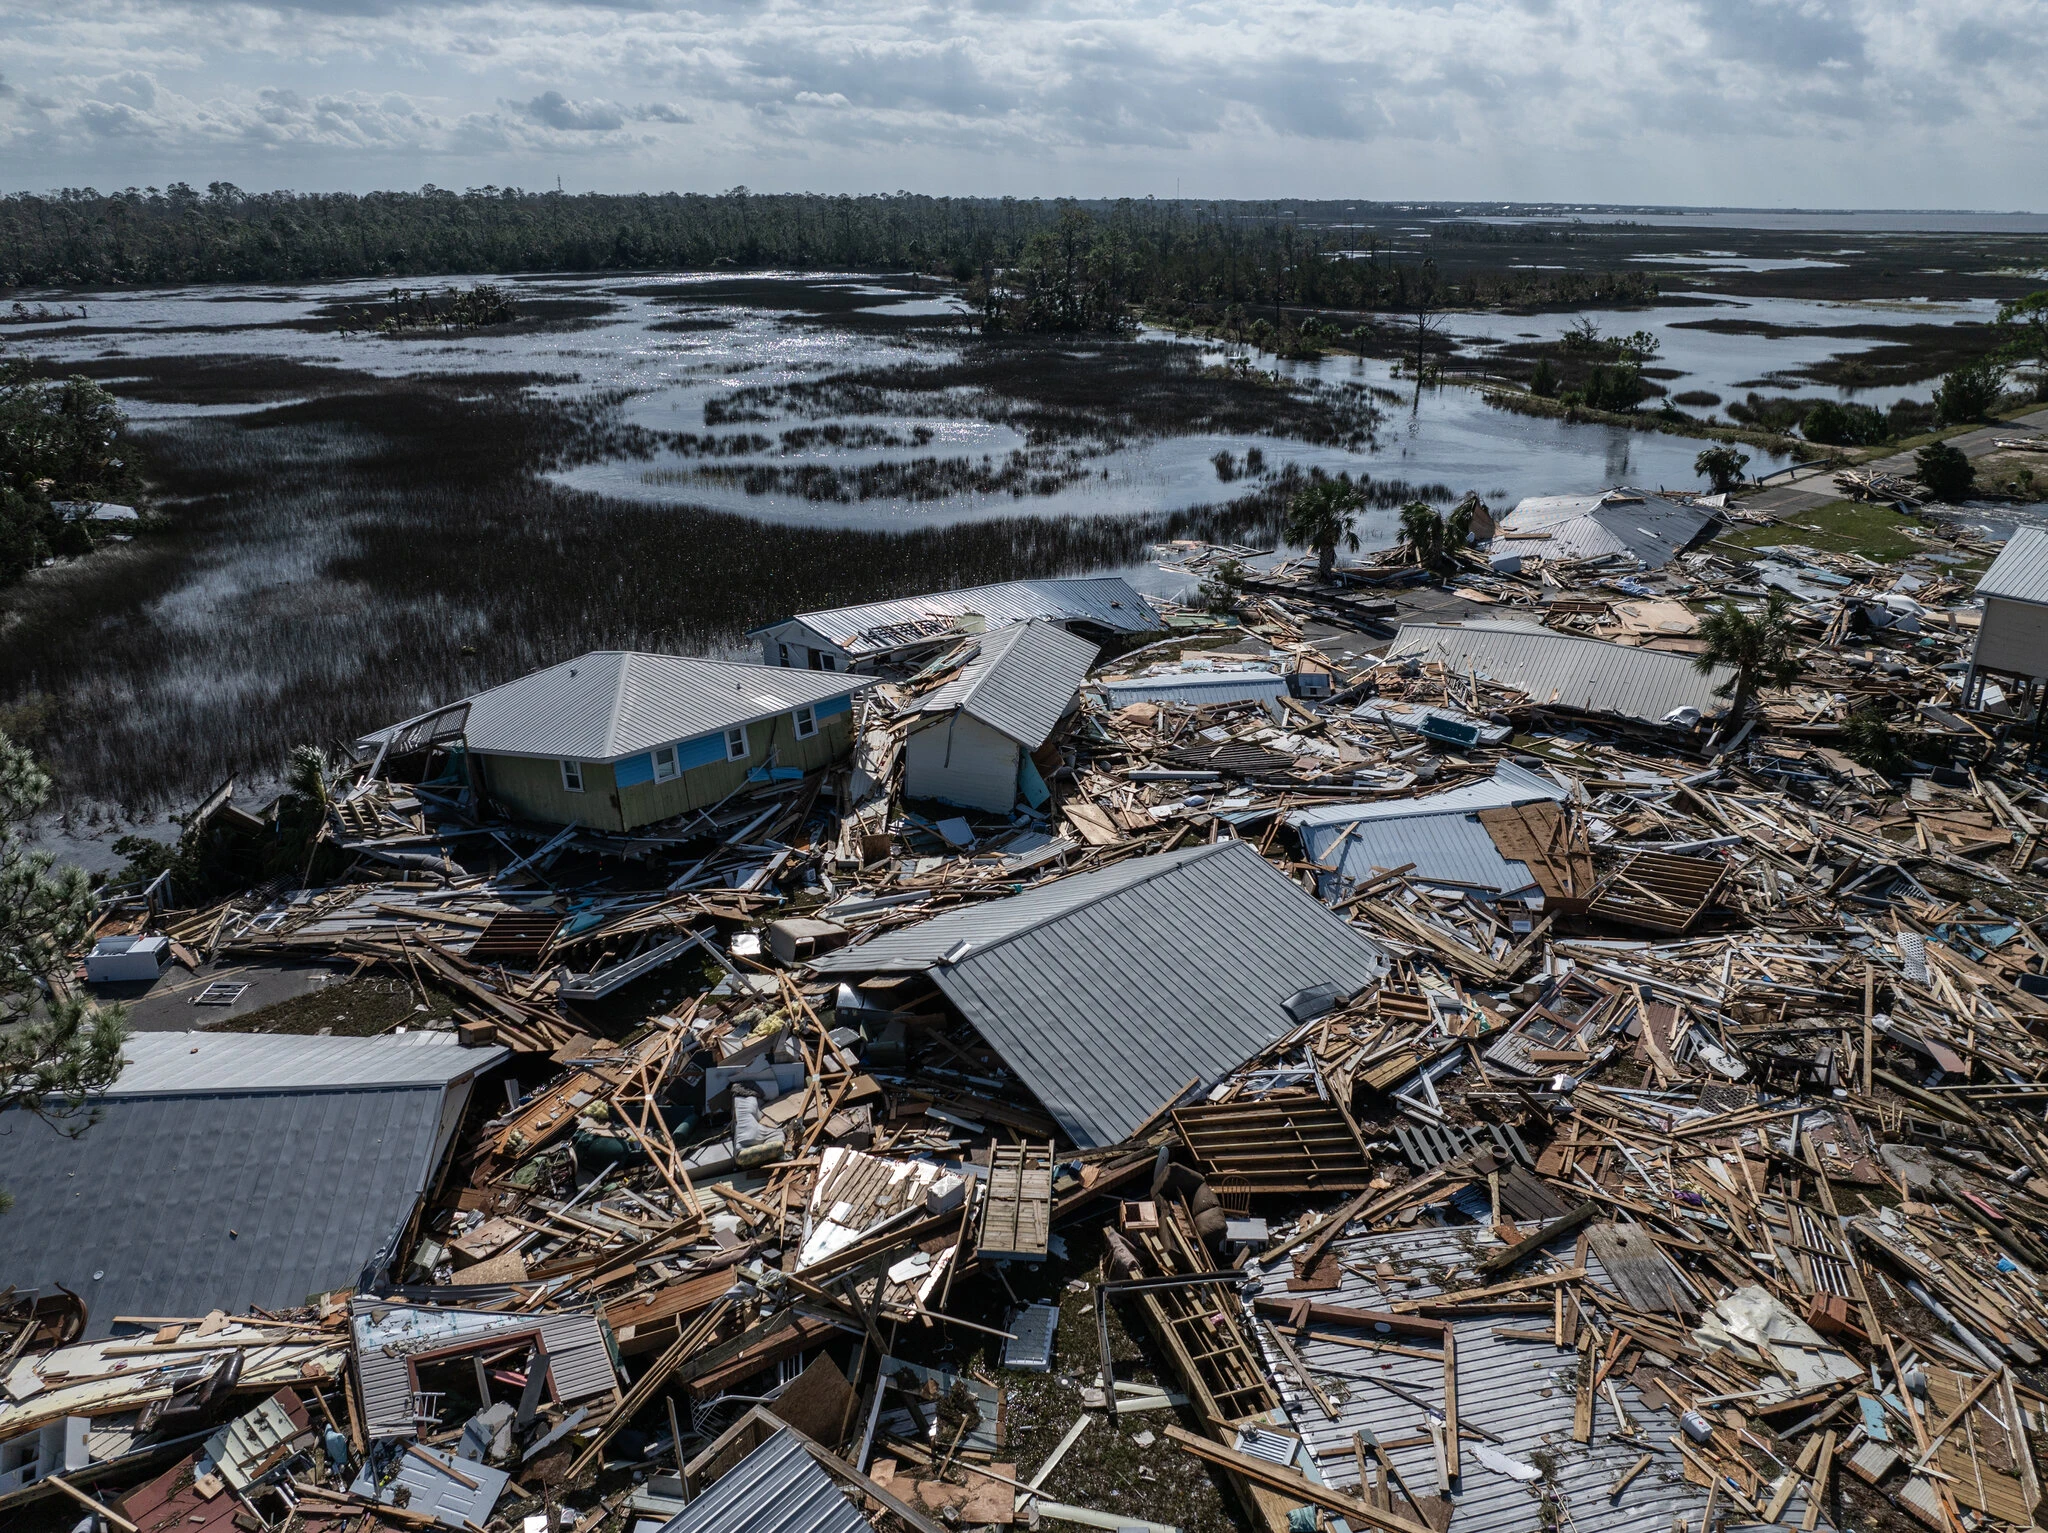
1016,1218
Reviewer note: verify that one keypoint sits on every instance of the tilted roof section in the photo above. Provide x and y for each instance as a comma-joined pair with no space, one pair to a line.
1651,529
1196,688
166,1064
2020,572
778,1488
1108,991
179,1204
1020,683
1440,834
1561,670
611,704
1107,601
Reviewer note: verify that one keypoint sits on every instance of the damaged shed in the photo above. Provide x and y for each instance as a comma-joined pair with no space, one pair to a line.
972,741
1110,994
1650,530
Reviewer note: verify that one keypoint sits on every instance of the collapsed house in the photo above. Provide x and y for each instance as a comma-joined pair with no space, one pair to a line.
1634,527
1101,608
191,1191
1037,975
615,740
973,741
1568,673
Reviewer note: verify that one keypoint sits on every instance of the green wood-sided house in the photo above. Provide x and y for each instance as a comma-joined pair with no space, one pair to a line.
615,739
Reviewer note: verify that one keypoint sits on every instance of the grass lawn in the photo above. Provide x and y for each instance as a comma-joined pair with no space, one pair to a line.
1841,527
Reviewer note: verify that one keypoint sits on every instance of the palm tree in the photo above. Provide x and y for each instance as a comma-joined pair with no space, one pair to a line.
1424,533
1319,517
1758,647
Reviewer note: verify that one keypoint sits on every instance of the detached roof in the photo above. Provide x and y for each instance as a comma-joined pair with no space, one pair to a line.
1440,834
1106,992
1562,670
1197,688
1107,601
249,1173
611,703
2020,572
1021,682
778,1488
1650,529
169,1063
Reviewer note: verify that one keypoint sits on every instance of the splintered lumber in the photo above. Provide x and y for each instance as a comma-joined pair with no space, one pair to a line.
1543,1237
1294,1483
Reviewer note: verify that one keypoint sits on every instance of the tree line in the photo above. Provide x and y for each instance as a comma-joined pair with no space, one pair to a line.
1051,264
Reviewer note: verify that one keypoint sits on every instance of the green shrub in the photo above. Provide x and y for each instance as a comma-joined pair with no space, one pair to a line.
1839,425
1970,393
1946,473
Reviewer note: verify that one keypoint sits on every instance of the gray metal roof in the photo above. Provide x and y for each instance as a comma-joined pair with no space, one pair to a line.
1562,670
2020,572
180,1204
778,1488
1107,601
1106,992
1020,683
615,703
1440,834
1521,1391
1197,689
387,1333
1650,529
213,1063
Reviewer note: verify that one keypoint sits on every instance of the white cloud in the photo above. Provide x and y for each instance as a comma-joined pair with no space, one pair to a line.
1823,102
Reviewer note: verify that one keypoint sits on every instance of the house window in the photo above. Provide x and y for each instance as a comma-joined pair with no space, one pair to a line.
736,743
572,776
782,654
806,723
828,662
665,764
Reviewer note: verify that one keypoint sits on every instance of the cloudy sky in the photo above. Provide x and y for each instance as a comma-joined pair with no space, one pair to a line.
1818,103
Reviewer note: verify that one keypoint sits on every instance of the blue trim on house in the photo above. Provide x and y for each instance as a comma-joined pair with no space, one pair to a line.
832,705
634,770
701,751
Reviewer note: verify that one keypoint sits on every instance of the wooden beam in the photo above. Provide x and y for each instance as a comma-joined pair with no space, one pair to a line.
1294,1483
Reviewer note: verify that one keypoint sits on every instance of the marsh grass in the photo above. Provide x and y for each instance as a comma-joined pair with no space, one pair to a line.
345,560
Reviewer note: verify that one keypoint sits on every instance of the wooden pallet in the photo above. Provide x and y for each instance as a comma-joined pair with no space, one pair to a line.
514,939
1659,891
1016,1217
1279,1144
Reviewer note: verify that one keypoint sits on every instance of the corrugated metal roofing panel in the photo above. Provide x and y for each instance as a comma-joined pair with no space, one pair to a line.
1452,846
1651,529
1521,1391
388,1333
613,703
1020,683
178,1204
1108,601
2020,572
778,1488
212,1063
1511,783
1108,997
1197,689
1565,671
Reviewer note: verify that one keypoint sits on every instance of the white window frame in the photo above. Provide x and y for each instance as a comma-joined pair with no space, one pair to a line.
806,720
739,730
572,777
670,772
782,653
827,661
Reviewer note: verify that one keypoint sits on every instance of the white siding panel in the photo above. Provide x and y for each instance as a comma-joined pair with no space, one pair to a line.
2014,637
959,760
